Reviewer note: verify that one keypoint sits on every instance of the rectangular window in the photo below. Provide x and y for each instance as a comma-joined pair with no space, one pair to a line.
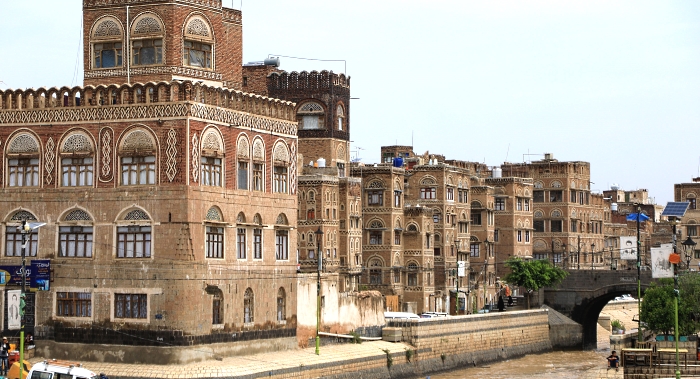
538,225
138,170
134,241
557,258
211,171
107,55
147,51
240,244
375,276
527,205
375,198
519,204
527,236
474,250
556,196
538,196
73,304
580,198
574,226
75,241
572,196
556,226
280,179
495,235
692,230
476,218
500,204
257,243
397,199
197,54
257,177
242,177
281,245
450,193
436,218
375,237
341,169
130,305
463,227
692,204
23,172
539,256
397,237
77,172
13,242
215,242
428,193
520,236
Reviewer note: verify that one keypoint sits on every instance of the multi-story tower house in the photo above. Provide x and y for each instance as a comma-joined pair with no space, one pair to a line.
168,205
564,218
690,223
482,260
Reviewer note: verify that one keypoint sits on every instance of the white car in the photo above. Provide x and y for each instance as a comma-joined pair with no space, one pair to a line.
624,297
54,369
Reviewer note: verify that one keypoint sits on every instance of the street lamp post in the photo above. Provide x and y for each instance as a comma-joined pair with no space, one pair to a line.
26,229
319,239
688,248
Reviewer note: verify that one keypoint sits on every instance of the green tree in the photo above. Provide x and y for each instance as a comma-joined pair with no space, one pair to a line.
658,311
533,274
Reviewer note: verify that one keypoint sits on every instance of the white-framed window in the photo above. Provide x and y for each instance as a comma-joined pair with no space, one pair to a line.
450,193
146,35
13,236
242,176
197,54
211,171
258,175
214,241
75,241
310,116
340,113
107,38
257,243
139,170
280,179
499,204
77,172
241,252
198,44
520,235
428,193
281,245
474,250
134,240
527,236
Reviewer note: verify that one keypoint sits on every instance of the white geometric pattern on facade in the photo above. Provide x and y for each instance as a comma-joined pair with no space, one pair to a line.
311,107
186,71
136,214
243,148
23,215
556,213
281,153
23,144
147,25
375,184
108,28
339,111
49,160
138,140
136,112
77,143
197,27
556,184
106,147
258,150
171,153
293,170
195,158
214,215
78,215
212,141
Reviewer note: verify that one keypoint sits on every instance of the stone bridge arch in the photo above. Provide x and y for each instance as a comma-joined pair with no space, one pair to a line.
584,293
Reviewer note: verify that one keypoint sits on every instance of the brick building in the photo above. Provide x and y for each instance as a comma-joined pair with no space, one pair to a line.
169,198
690,223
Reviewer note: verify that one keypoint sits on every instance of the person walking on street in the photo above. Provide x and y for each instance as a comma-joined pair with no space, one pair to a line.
4,355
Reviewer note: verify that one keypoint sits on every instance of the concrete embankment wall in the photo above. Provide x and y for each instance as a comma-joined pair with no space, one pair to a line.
432,345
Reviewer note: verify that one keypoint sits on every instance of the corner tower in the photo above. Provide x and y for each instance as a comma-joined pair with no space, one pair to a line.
323,113
139,41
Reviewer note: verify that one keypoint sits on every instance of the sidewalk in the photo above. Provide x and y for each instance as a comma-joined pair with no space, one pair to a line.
252,366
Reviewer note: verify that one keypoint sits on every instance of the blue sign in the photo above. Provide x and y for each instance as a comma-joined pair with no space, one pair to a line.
37,275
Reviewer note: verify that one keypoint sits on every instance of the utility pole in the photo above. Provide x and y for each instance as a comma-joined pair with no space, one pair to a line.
26,228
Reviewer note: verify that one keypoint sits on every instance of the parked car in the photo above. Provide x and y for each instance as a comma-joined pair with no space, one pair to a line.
624,297
51,369
433,314
400,316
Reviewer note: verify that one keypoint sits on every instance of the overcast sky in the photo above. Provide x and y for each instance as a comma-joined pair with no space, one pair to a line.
615,83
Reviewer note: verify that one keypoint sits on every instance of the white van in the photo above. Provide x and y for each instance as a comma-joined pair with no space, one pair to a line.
57,369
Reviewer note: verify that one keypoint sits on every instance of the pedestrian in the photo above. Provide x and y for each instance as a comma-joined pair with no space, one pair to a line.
510,301
4,355
501,304
614,361
103,376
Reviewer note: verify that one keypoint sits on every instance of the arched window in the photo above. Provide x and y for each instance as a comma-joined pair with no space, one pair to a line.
147,34
413,274
13,236
280,175
23,161
281,238
375,271
138,159
214,234
134,235
198,43
310,115
243,168
248,306
75,235
107,39
281,305
77,161
212,154
340,114
258,165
